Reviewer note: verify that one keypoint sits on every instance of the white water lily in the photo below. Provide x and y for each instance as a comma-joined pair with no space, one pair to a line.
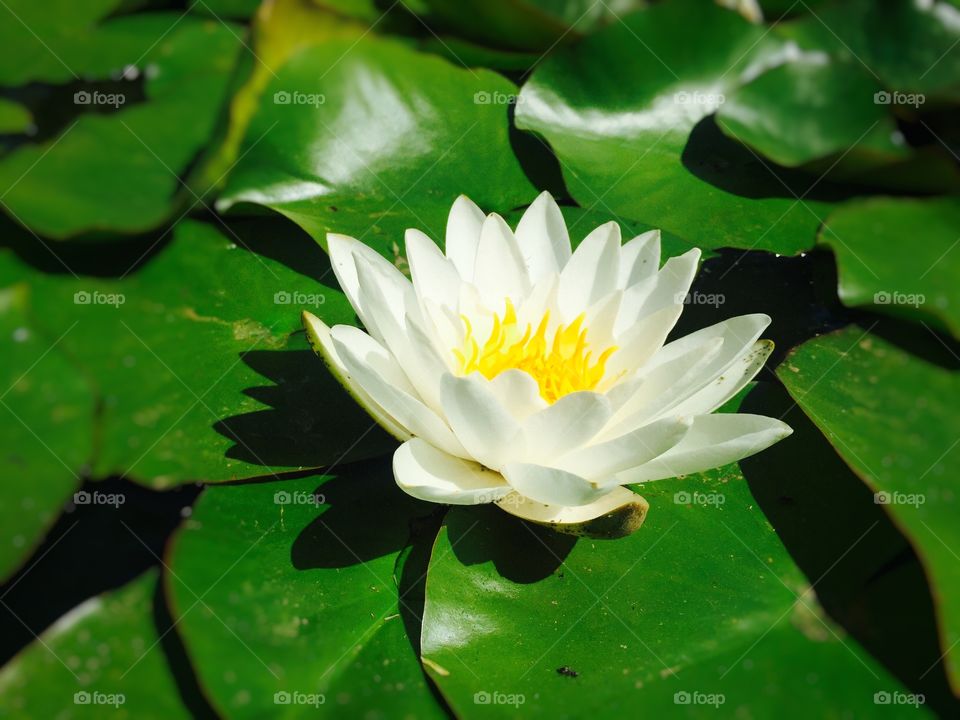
517,372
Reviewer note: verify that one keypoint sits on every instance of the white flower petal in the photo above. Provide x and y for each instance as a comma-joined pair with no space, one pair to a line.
668,287
639,343
376,371
712,441
463,235
397,319
519,393
542,297
550,485
639,258
499,271
434,276
320,340
482,425
345,253
601,318
719,379
433,475
661,387
592,271
616,514
734,378
543,238
568,423
601,460
738,334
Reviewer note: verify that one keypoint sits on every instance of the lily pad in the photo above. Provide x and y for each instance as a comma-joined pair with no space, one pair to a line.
208,375
908,46
117,167
102,659
899,256
892,418
51,41
14,118
803,111
48,409
288,603
527,24
628,112
700,608
368,138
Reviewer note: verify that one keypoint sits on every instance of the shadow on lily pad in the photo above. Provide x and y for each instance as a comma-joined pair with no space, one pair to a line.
865,574
311,422
523,552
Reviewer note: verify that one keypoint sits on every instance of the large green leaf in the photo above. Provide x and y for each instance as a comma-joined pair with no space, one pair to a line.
298,600
368,137
280,29
53,41
806,110
102,659
527,24
118,168
893,418
202,368
47,410
628,113
701,606
899,256
907,45
14,118
225,8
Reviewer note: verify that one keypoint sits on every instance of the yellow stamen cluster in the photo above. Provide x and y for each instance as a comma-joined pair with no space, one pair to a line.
561,365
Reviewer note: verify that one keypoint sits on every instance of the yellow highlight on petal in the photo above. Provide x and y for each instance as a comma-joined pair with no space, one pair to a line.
561,364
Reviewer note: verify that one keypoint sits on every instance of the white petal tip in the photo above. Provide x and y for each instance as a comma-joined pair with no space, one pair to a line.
338,244
317,329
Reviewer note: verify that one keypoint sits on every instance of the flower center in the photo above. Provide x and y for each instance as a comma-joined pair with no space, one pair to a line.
561,364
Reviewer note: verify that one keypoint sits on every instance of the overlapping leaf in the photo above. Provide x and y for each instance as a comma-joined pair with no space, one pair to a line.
628,112
527,24
367,137
47,410
701,607
900,257
184,352
102,659
287,598
117,166
893,418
